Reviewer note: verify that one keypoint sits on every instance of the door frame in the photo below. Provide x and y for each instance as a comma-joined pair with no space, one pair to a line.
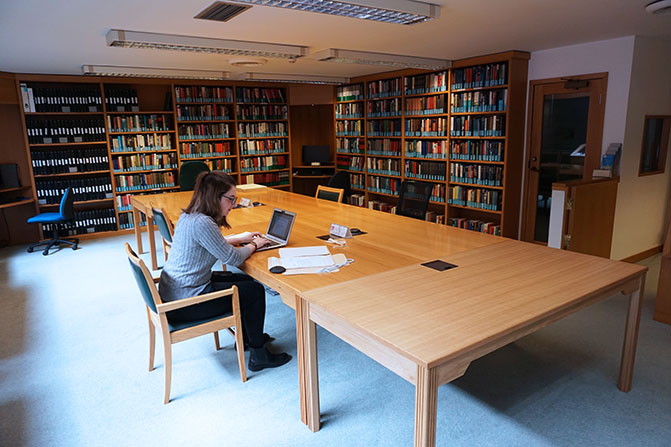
596,134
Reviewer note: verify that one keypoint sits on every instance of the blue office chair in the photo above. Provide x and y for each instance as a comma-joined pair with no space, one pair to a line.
188,173
413,199
59,220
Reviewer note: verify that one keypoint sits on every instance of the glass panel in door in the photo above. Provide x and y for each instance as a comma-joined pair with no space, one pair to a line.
562,154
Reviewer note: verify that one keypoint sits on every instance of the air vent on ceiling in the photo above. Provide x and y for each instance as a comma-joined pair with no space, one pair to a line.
221,11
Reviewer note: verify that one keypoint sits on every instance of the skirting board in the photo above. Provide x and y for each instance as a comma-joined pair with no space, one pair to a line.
643,255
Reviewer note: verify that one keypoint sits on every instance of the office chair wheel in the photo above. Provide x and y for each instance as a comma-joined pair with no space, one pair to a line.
45,252
75,247
30,249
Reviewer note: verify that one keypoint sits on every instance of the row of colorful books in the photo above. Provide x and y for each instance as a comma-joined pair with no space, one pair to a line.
142,142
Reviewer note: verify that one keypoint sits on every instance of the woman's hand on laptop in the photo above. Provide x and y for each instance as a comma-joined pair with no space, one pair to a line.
258,242
243,238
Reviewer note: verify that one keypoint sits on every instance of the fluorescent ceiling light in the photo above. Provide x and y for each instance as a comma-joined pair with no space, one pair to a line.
146,72
368,58
137,39
293,78
405,12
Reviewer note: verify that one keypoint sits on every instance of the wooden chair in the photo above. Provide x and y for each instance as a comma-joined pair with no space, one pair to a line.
332,194
165,228
174,332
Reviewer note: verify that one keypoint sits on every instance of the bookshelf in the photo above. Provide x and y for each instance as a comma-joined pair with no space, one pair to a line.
112,138
66,143
262,116
350,128
206,126
140,125
462,131
487,96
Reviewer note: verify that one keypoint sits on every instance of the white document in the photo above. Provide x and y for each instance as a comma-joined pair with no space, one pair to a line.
339,259
298,262
317,250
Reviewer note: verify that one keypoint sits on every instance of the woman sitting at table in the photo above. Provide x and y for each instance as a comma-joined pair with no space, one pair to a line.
196,247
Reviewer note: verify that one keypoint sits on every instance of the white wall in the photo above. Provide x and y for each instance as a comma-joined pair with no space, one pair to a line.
638,83
643,201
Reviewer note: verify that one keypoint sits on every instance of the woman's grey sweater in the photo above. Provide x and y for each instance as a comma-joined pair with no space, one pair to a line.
197,244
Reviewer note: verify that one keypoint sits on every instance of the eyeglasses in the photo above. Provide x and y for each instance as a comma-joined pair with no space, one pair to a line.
232,199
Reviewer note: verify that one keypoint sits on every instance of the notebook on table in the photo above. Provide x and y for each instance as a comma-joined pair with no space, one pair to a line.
279,229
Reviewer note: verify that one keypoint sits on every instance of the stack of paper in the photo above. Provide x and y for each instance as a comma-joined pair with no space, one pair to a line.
301,260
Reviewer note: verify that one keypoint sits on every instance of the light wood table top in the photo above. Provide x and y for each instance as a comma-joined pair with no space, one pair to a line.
495,290
391,241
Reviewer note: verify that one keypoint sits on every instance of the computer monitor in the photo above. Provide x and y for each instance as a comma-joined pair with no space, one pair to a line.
316,155
9,176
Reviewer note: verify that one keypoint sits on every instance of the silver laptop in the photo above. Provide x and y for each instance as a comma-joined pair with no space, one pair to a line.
279,229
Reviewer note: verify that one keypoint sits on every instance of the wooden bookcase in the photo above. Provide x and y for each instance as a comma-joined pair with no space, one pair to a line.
262,116
64,125
350,125
446,115
137,133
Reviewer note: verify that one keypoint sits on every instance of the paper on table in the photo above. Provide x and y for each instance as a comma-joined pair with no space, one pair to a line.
301,262
338,259
316,250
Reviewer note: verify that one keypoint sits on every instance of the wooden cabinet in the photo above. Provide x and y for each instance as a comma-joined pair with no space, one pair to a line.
582,216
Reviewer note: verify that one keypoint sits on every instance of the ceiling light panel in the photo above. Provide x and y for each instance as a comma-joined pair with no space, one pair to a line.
147,72
405,12
390,60
137,39
294,78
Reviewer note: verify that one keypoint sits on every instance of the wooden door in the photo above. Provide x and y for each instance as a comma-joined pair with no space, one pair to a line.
564,135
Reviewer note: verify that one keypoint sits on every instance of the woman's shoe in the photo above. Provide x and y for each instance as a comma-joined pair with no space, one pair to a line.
266,339
261,358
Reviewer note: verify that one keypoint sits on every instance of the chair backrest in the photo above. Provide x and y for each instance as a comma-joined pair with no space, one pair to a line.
163,223
144,280
332,194
341,180
67,208
413,199
188,173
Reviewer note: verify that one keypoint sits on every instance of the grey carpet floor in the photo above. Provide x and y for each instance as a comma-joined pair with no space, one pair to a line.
73,372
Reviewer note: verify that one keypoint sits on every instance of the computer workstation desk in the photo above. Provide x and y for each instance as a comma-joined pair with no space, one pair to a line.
425,325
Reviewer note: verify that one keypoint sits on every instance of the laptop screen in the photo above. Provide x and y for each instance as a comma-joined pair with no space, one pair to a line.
280,224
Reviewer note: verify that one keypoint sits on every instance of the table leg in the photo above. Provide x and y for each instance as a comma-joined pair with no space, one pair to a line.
308,375
426,401
137,229
152,241
631,337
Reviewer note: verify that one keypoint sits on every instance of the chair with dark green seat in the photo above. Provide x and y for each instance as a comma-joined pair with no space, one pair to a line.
165,228
326,193
188,173
174,332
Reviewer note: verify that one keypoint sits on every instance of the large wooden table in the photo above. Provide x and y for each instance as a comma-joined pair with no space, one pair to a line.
426,326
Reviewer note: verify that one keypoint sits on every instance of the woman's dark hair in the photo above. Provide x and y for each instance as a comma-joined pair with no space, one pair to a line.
206,199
